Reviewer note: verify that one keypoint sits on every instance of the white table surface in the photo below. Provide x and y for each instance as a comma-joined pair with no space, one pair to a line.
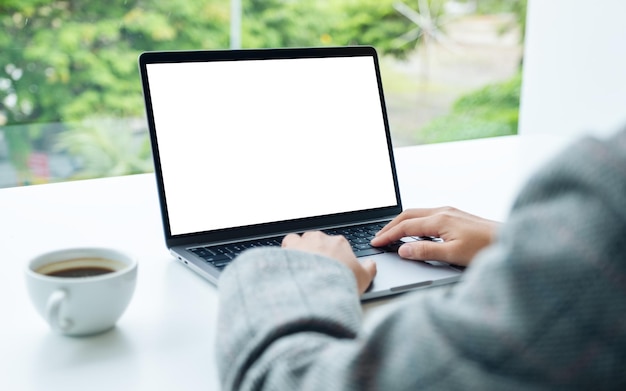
165,339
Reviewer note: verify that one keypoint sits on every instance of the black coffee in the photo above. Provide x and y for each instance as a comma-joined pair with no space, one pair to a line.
86,271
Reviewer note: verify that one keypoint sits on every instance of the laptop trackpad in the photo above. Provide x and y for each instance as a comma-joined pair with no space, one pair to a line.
398,275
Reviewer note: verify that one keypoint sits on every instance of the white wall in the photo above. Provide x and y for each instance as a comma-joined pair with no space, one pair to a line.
574,78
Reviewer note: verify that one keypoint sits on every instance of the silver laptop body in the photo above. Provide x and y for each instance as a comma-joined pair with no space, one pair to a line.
253,144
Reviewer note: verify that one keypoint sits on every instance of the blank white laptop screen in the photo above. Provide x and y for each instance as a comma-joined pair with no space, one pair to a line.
257,141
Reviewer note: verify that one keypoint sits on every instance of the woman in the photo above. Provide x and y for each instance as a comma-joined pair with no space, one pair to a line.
543,305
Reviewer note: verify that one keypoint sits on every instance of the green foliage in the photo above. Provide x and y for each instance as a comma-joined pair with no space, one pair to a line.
516,7
68,61
488,112
64,61
280,23
519,9
378,23
106,147
373,22
496,6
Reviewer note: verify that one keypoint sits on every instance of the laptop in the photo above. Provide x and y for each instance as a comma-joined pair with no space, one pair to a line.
250,145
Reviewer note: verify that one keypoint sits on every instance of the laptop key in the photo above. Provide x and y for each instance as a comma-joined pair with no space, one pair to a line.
367,252
360,240
392,247
221,264
361,246
201,251
216,258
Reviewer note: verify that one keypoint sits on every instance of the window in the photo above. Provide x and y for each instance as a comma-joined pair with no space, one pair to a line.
70,96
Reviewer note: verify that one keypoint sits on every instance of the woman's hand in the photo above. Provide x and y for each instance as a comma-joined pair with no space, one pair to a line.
463,234
336,247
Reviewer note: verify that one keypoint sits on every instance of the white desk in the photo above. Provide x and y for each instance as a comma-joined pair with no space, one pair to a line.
165,339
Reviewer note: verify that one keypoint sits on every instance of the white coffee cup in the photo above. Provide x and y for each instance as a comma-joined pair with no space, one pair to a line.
81,291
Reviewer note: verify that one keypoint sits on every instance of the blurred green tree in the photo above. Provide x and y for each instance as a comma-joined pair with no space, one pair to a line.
395,27
379,23
281,23
487,112
66,60
106,147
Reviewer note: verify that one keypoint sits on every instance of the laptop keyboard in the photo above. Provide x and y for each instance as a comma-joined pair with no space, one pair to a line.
359,237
